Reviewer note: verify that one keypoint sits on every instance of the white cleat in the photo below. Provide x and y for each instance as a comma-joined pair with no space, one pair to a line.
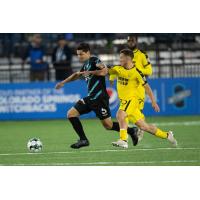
140,134
171,139
120,143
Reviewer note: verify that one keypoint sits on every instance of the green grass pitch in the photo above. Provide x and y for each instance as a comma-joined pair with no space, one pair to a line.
57,135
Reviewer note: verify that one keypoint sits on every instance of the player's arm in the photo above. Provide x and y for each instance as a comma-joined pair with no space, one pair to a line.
112,75
149,92
113,71
148,70
102,70
73,77
147,67
112,79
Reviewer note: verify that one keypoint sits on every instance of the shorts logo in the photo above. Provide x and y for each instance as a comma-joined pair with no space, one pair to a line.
104,111
123,102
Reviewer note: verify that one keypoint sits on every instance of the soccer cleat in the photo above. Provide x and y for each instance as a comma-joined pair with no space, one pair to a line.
171,138
133,134
140,134
120,143
80,143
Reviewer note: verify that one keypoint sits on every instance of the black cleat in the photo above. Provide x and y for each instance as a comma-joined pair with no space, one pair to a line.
80,143
133,133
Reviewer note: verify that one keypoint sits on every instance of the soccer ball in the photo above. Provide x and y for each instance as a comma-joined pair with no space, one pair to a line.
34,145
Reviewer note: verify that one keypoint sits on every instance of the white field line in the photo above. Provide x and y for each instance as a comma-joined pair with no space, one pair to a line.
184,123
98,151
108,163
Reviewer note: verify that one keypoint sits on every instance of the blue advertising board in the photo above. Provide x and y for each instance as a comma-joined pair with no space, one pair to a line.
18,101
178,96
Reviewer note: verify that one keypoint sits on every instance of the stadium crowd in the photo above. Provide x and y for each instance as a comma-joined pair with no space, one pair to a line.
39,57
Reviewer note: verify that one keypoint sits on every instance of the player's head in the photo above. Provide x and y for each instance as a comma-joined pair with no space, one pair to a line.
61,41
126,57
83,52
132,41
37,39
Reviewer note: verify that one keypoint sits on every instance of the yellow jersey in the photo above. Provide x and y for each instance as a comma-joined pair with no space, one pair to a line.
128,81
142,63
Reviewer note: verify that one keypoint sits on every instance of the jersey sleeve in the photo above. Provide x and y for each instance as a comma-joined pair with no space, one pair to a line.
141,77
147,67
82,69
98,61
112,77
113,71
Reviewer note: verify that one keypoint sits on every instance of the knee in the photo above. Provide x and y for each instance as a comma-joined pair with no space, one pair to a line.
120,116
71,114
107,126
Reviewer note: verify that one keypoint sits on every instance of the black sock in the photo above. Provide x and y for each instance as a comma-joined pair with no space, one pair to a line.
130,131
115,127
76,123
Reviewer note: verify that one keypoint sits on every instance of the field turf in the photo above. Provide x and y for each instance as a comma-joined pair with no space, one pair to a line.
58,135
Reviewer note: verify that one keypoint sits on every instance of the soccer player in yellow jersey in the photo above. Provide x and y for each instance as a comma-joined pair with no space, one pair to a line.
142,63
128,82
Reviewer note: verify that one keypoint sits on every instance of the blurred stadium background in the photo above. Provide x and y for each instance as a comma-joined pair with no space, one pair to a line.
26,95
175,59
172,55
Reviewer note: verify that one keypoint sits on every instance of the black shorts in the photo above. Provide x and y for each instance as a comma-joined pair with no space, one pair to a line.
99,106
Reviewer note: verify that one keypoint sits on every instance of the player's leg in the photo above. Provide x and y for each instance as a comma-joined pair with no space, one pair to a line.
102,111
126,108
142,124
73,116
121,117
110,125
140,132
114,126
122,142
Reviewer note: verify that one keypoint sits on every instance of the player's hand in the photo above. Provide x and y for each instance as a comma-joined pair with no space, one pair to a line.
156,107
59,85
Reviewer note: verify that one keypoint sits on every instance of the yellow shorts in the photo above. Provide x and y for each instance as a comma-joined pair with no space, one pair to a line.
141,96
141,103
131,107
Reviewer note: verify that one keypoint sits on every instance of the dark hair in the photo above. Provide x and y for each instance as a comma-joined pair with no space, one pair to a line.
60,37
132,35
84,47
127,52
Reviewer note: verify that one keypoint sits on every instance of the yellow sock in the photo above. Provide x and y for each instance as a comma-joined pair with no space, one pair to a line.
123,134
161,134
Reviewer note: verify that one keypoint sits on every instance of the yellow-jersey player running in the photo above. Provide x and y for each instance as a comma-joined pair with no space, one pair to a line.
142,63
128,82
